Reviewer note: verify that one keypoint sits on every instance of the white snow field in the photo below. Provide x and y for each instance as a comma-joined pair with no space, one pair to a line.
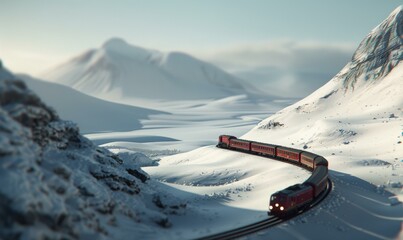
355,121
191,124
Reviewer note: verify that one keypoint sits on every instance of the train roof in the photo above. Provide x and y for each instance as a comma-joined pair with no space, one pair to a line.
264,144
321,161
317,175
225,135
240,140
310,155
293,189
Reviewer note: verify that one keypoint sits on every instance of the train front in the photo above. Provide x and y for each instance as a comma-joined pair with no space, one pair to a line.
278,204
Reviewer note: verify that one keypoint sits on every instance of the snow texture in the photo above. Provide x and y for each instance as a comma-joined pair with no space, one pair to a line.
355,121
56,184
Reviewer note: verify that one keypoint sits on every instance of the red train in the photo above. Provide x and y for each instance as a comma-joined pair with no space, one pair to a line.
294,198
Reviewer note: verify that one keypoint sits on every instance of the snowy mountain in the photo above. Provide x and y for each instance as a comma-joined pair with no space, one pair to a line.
356,118
355,121
90,113
119,71
56,184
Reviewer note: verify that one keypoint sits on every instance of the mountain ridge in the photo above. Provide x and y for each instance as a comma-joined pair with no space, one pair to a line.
367,91
90,113
379,52
120,71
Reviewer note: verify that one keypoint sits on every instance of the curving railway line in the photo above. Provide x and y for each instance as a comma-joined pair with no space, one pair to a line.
266,223
289,202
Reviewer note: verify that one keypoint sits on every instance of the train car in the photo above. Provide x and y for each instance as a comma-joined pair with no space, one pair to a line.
263,149
308,159
312,160
294,198
289,154
239,144
318,180
290,200
223,141
321,161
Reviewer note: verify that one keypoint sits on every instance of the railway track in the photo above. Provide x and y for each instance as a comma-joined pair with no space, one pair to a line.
267,223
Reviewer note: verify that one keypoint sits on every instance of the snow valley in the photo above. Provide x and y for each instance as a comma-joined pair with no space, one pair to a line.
169,100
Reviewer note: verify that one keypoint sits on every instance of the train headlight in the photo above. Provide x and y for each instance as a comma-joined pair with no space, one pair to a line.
276,205
270,207
281,208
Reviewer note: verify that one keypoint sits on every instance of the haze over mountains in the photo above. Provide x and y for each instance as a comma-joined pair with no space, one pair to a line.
119,71
90,113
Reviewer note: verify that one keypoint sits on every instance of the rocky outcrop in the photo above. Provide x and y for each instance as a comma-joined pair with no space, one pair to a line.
379,52
55,183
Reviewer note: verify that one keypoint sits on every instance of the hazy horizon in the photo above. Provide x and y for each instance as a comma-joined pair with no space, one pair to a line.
233,35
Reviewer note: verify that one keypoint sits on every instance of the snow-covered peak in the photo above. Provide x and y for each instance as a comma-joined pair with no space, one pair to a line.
121,72
379,52
365,94
120,47
115,43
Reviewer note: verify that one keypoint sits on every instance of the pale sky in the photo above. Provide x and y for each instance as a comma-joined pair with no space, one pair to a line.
35,35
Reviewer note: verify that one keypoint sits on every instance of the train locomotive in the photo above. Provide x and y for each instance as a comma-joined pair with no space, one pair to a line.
288,201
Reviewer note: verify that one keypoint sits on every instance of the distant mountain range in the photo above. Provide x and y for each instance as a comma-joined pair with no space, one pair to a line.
120,72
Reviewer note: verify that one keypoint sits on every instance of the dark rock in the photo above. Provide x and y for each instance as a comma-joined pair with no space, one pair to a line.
138,174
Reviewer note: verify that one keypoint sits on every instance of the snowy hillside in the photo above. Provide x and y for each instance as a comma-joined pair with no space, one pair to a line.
90,113
120,72
355,120
56,184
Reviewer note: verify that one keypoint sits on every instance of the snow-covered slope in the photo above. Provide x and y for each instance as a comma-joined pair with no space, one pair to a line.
90,113
56,184
120,72
355,119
